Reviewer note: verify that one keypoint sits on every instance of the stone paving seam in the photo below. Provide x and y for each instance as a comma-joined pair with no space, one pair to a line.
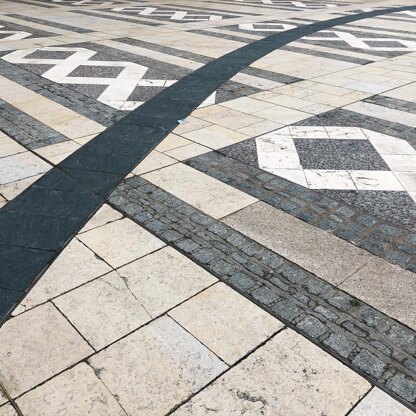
98,167
390,242
368,341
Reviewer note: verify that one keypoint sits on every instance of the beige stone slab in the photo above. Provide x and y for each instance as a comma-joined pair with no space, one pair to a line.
156,367
37,345
216,137
203,192
329,99
103,216
120,242
12,189
407,92
9,147
316,250
75,392
3,398
260,128
74,266
188,151
103,310
226,322
162,280
287,376
208,111
282,115
172,141
232,119
154,160
192,123
20,166
8,410
3,201
64,148
387,287
378,403
246,105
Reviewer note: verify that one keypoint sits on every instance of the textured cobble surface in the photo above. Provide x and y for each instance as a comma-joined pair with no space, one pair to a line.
367,340
396,245
25,129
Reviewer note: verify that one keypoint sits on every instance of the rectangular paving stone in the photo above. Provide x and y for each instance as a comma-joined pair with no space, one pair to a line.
8,410
265,383
103,310
37,345
226,322
75,392
164,279
329,257
201,191
120,242
162,365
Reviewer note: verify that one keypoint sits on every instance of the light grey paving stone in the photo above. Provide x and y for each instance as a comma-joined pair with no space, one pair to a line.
155,368
378,403
325,255
3,398
287,376
226,322
75,392
74,266
103,310
103,216
37,345
164,279
8,410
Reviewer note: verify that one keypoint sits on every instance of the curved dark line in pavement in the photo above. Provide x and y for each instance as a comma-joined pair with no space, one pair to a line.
39,223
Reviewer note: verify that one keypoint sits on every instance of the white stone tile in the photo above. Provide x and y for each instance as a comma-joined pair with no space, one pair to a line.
408,180
191,124
156,368
172,141
188,151
103,310
9,147
64,148
378,403
75,392
407,92
389,145
369,87
74,266
287,376
164,279
346,133
246,105
211,196
120,242
401,163
232,119
259,128
308,132
375,180
12,189
7,410
21,166
329,179
154,160
293,175
103,216
215,137
226,322
37,345
282,115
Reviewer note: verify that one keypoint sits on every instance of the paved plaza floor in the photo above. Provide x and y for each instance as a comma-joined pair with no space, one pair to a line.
207,207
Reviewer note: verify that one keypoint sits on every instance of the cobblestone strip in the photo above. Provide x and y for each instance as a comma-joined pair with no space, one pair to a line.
26,130
394,244
86,106
370,342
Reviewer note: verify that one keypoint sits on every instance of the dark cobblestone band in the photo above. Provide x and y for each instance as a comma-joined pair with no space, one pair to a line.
394,244
39,223
368,341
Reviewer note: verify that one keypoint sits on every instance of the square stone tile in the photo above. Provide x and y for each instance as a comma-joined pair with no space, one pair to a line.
378,403
74,266
232,119
120,242
226,322
373,179
103,216
75,392
329,179
156,367
103,310
162,280
287,376
282,115
200,190
21,166
8,146
215,137
37,345
154,160
7,410
188,151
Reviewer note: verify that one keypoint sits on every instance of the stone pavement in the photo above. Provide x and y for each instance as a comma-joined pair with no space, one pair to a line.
207,207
